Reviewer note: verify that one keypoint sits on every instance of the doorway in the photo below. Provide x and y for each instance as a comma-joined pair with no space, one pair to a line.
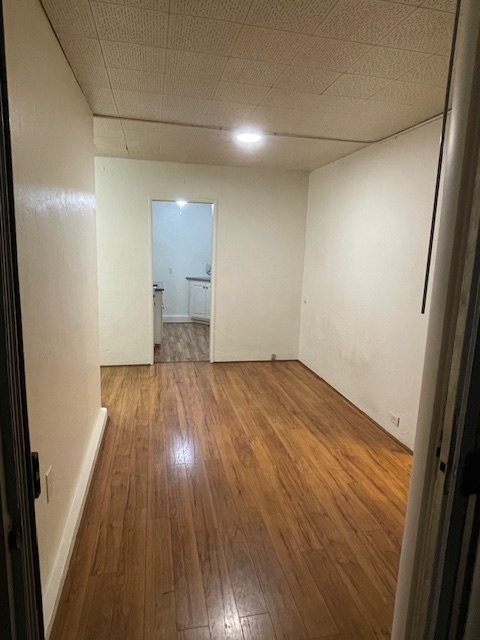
182,255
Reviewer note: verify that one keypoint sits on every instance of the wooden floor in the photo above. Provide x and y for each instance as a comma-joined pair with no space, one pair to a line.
184,342
241,501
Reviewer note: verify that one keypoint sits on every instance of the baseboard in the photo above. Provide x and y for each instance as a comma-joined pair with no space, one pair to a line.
170,319
51,596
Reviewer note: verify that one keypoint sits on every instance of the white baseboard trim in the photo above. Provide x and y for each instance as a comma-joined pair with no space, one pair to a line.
168,319
53,591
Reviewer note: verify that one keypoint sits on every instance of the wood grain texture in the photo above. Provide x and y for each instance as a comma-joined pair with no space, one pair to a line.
243,500
184,342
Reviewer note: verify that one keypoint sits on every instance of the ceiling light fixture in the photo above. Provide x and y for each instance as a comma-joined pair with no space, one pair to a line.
181,203
248,136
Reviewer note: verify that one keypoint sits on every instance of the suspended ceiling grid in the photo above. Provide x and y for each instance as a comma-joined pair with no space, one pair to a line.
353,70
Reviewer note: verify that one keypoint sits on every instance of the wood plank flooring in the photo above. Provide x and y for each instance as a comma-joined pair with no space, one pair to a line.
240,501
184,342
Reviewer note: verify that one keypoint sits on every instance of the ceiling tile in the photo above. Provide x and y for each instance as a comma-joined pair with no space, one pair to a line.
91,76
434,70
175,142
190,87
415,3
134,80
185,104
221,109
125,55
306,80
363,20
424,30
303,16
183,117
201,35
81,50
241,93
129,24
199,65
441,5
411,93
230,10
101,100
156,5
108,130
71,16
141,135
307,101
356,86
387,63
138,104
252,72
268,45
333,55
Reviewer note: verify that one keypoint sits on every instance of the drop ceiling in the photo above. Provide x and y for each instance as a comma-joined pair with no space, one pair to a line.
170,80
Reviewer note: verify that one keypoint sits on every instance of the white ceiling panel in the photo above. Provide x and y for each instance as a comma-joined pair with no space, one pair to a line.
125,55
434,70
197,65
134,80
356,86
129,24
81,50
88,75
305,79
202,35
303,16
387,63
363,20
269,45
349,70
423,30
190,87
229,10
441,5
138,104
100,100
71,16
308,101
252,72
332,55
241,93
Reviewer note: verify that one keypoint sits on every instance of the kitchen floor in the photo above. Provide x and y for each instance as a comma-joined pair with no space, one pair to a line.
184,342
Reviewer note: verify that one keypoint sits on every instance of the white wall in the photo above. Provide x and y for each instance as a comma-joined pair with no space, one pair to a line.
52,143
182,244
260,237
367,235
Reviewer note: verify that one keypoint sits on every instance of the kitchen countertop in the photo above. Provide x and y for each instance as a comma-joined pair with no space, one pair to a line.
200,278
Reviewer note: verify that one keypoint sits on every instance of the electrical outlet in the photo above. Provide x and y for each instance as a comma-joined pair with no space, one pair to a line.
394,418
170,269
49,483
274,357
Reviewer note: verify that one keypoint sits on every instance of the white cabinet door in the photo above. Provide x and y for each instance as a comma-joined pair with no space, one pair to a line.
208,300
158,317
197,300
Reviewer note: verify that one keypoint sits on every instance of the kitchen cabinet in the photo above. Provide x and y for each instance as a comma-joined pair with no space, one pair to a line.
200,296
158,315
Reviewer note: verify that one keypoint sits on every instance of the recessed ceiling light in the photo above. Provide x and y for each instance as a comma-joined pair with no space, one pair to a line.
248,136
182,203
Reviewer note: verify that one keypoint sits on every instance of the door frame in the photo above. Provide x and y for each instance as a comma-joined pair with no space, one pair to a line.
213,304
21,611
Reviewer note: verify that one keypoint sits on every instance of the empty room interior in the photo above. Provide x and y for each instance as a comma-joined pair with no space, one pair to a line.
223,214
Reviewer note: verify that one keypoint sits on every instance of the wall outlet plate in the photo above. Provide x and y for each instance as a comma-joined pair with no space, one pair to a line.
394,418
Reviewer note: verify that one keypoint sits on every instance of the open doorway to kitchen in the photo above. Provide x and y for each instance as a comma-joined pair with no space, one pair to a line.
182,249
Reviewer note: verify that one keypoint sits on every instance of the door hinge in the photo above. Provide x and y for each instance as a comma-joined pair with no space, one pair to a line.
37,485
470,484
